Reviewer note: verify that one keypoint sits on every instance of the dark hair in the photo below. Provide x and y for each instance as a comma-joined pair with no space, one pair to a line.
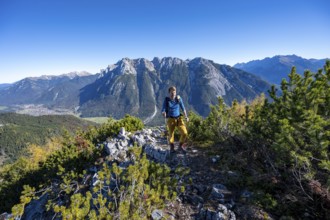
171,88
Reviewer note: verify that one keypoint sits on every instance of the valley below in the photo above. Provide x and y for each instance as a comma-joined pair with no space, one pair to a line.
37,110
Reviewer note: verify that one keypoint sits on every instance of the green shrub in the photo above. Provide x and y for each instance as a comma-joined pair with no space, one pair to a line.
141,188
112,127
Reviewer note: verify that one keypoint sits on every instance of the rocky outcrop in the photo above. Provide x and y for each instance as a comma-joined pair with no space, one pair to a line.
205,196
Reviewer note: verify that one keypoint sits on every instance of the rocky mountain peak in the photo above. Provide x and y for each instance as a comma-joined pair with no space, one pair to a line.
203,68
156,62
198,61
169,62
143,64
126,66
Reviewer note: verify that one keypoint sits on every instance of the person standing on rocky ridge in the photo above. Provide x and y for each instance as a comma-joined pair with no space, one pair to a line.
171,110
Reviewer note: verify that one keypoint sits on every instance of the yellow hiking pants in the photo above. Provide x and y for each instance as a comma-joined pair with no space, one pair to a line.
172,123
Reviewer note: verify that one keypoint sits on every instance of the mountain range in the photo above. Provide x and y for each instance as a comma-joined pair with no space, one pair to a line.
59,91
274,69
139,86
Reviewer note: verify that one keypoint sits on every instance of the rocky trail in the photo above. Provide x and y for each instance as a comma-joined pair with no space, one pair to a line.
205,196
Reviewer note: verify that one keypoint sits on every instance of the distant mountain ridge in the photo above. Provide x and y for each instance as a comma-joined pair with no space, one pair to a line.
70,75
276,68
138,87
54,91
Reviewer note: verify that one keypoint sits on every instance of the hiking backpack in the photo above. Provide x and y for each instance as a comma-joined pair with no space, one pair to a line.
167,99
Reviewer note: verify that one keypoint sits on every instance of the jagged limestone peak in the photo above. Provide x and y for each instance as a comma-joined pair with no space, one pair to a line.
169,62
126,66
213,75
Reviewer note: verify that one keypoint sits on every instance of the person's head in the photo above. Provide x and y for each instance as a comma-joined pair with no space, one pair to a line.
172,91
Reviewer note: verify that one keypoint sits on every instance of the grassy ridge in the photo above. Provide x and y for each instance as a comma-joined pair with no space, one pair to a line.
98,120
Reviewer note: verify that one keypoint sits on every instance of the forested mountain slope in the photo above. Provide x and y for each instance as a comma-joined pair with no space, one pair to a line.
17,131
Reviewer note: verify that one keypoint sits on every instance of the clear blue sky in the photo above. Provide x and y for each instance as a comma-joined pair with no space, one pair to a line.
52,37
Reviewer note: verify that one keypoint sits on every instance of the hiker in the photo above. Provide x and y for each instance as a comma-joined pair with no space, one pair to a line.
171,111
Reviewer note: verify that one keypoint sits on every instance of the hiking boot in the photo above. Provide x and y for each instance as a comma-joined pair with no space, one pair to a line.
172,148
183,147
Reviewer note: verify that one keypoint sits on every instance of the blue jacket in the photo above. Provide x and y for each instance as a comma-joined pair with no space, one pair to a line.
173,107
